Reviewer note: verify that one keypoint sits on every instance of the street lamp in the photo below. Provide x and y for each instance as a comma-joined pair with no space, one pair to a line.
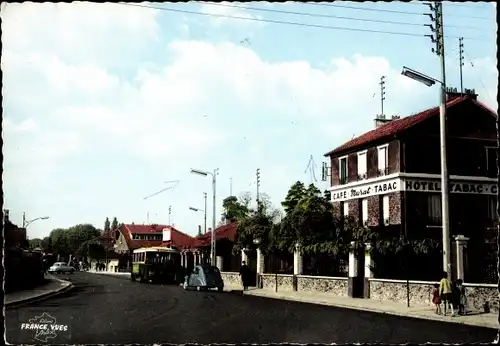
214,188
429,81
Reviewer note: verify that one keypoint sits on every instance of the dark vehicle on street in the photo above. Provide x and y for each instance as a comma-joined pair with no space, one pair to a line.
159,264
204,277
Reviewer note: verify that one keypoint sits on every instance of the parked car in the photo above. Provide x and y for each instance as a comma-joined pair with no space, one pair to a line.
61,267
204,277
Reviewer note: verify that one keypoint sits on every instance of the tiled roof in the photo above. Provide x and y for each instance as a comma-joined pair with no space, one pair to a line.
145,229
178,238
397,126
228,231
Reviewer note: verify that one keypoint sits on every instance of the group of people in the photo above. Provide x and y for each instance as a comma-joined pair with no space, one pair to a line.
449,294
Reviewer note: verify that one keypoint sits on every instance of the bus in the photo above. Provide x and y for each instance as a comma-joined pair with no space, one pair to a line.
159,264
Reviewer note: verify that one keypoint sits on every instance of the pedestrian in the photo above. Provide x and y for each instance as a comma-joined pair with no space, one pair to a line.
244,274
445,293
436,300
462,299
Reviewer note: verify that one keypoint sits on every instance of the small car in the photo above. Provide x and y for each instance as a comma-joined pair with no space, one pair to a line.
61,267
203,278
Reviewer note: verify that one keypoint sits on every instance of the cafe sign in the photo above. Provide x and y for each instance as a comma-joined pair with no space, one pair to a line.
455,187
367,190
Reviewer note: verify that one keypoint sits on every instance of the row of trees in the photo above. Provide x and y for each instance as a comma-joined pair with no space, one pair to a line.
309,219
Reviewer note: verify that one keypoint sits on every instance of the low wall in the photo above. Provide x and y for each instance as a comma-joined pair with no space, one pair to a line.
231,278
285,282
323,284
419,292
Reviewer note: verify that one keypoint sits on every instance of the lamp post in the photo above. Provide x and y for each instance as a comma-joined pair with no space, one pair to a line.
429,81
214,189
256,241
27,223
201,210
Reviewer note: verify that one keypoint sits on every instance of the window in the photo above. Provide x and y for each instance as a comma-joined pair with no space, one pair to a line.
385,210
491,162
492,208
343,170
362,165
364,211
434,209
383,160
346,209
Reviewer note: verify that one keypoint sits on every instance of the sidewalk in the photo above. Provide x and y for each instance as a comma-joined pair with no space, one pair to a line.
52,287
125,275
474,318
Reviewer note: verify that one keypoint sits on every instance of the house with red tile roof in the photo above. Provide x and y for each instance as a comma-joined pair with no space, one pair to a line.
389,177
128,237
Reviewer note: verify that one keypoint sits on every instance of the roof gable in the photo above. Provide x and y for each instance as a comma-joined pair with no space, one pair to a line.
396,127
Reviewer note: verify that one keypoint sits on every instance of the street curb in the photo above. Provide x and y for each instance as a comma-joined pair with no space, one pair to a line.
44,296
455,320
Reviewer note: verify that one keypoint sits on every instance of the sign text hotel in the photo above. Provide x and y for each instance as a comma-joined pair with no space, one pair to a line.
413,185
455,187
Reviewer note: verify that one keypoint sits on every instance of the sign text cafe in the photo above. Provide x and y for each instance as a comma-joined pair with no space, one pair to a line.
418,185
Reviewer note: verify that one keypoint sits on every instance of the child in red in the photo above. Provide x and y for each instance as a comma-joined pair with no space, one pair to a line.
436,300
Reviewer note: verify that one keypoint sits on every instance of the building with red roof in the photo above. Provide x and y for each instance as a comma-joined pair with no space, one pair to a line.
390,176
128,237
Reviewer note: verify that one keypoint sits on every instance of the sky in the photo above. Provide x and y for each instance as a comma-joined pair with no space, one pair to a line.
105,103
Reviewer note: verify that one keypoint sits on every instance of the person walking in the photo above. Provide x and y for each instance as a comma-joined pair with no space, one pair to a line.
445,293
244,274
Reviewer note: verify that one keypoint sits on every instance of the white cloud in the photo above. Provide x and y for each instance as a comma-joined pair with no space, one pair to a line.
80,31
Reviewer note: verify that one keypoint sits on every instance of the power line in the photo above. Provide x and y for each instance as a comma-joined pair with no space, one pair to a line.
389,11
283,22
317,15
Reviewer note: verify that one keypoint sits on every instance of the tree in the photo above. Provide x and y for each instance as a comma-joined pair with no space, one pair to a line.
233,210
107,225
35,243
114,224
294,195
66,241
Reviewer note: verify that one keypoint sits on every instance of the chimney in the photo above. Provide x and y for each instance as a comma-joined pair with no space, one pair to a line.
199,230
382,120
209,230
453,93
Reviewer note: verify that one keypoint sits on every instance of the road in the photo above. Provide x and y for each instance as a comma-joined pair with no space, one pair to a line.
112,310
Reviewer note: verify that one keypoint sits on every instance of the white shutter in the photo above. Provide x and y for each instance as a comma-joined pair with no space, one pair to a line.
385,207
364,209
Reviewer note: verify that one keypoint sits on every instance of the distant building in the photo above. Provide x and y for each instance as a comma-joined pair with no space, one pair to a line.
14,236
128,237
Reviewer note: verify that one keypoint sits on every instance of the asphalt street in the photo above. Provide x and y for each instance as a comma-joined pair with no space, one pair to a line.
105,309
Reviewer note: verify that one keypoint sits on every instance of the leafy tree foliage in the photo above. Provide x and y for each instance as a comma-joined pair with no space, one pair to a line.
107,225
114,223
233,209
66,241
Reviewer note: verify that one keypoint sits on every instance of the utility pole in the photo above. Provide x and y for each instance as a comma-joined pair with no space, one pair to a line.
230,186
213,240
461,52
382,95
205,211
24,220
169,213
258,186
437,7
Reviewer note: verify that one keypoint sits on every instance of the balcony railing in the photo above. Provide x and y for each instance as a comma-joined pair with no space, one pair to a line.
382,172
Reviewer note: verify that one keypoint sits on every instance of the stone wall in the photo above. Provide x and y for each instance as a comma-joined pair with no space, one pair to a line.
231,279
373,211
395,208
419,291
285,282
322,284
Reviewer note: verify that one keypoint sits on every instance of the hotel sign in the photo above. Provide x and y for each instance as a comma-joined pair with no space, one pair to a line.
367,190
455,187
